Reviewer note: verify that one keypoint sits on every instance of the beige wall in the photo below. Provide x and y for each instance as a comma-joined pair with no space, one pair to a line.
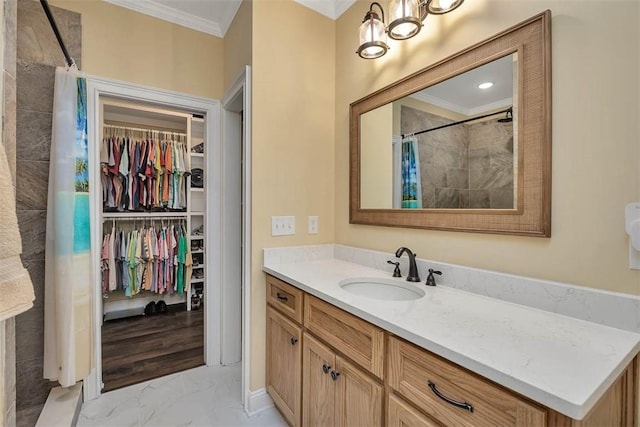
376,152
120,44
595,169
293,139
237,44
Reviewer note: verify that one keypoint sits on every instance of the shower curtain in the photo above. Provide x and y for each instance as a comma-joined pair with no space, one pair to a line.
411,185
68,271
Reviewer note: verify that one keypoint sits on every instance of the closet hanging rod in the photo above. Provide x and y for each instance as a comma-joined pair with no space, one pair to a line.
143,130
506,111
145,217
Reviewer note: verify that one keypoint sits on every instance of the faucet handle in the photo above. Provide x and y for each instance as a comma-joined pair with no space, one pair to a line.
396,271
431,281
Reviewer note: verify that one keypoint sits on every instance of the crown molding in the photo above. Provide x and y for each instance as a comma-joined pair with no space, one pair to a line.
330,8
170,14
447,105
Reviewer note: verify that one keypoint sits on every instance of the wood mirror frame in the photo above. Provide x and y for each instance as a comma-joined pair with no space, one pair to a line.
531,39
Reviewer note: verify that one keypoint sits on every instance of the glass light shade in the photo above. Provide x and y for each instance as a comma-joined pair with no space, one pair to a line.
405,19
438,7
372,38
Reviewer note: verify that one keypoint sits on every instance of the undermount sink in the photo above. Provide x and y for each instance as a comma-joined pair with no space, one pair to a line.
382,289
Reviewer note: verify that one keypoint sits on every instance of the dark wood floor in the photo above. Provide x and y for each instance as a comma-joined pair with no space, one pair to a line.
140,348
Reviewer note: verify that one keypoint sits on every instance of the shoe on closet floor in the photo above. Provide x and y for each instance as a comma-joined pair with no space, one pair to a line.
150,309
161,307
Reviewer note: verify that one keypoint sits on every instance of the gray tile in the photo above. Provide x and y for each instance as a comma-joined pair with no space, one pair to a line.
28,417
32,224
490,178
31,184
502,198
479,157
458,178
464,199
502,156
30,334
35,267
479,199
33,138
447,198
35,87
31,389
10,416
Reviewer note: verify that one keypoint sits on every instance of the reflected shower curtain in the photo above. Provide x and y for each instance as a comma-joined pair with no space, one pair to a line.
411,185
68,272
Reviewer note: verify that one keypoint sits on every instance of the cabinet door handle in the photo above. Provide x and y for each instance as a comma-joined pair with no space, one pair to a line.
281,297
463,405
325,368
335,375
294,340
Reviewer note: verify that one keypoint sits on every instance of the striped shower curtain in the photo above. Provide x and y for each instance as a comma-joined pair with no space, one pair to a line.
68,269
411,185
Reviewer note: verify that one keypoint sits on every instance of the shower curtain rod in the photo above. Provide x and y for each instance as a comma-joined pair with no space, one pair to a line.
404,135
54,27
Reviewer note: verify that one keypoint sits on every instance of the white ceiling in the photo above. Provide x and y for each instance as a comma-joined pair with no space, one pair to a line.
215,16
462,95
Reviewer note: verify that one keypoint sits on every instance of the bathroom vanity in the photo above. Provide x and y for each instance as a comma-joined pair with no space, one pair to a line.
448,357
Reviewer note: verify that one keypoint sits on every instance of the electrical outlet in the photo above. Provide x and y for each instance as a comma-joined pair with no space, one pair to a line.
313,225
283,225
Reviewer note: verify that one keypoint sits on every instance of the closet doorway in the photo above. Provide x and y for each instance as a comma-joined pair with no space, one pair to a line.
190,217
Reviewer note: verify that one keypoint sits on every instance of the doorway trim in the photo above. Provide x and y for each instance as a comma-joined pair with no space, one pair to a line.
98,87
242,87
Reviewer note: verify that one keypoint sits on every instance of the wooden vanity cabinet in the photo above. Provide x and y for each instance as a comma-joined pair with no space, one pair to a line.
336,392
326,367
284,348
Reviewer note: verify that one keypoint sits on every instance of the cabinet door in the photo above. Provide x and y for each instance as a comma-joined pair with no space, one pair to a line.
284,358
358,396
401,414
318,387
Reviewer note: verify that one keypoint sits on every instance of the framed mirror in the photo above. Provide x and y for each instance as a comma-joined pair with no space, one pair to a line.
464,144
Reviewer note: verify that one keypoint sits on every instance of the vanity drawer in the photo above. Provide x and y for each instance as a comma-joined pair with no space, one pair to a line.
412,369
285,298
357,339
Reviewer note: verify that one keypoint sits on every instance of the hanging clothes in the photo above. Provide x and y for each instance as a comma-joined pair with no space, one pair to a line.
145,260
143,171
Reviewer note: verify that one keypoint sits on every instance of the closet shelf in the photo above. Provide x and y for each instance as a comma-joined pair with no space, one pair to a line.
196,237
198,189
197,280
198,252
143,215
197,155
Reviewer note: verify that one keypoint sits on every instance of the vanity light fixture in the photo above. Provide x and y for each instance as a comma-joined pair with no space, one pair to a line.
485,85
372,34
406,19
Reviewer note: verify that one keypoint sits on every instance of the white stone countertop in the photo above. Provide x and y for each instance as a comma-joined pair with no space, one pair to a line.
564,363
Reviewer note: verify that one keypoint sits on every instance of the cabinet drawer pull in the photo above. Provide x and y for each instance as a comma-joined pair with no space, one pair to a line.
463,405
281,297
325,368
294,340
334,375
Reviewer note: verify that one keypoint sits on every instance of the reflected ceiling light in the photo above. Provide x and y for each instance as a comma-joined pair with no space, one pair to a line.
372,35
406,19
485,85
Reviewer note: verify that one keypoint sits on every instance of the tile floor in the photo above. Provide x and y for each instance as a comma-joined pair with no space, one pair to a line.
204,396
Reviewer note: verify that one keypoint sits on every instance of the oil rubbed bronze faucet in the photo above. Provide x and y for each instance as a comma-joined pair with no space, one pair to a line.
413,268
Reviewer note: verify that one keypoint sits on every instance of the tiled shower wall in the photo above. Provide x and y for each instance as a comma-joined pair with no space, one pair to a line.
38,53
465,166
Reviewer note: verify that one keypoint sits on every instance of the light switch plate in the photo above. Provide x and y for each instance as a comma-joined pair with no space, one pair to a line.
283,225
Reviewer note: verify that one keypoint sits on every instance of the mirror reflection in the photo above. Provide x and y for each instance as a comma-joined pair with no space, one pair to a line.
450,146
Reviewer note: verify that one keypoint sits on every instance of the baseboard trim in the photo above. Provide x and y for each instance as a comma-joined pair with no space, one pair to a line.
258,401
62,408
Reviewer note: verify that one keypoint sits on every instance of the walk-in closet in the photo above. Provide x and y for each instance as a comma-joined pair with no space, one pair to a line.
152,255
